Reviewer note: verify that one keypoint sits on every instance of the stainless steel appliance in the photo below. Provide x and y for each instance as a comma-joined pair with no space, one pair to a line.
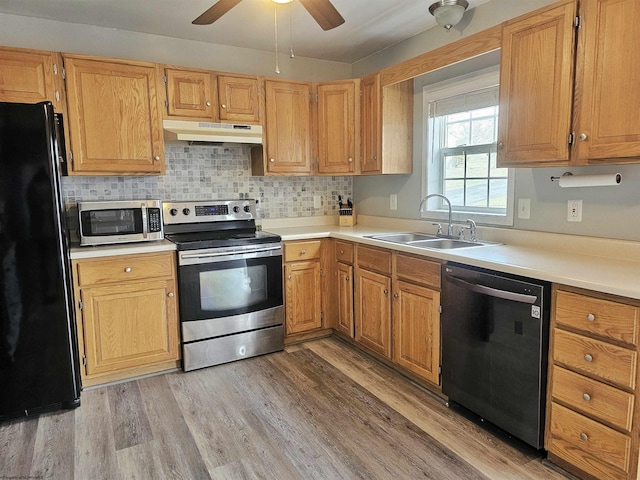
495,331
230,281
38,352
119,221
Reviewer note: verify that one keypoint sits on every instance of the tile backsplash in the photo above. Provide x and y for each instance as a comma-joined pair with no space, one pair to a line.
202,172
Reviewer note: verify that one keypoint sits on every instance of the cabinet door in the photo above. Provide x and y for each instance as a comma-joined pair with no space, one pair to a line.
345,299
336,128
608,89
536,87
129,325
288,132
416,329
370,126
373,311
190,94
114,118
238,99
29,76
302,297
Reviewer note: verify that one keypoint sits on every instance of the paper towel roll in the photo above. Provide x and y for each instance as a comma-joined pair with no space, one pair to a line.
608,179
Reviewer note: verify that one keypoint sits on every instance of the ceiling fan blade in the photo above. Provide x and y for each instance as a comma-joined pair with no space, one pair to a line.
215,12
324,13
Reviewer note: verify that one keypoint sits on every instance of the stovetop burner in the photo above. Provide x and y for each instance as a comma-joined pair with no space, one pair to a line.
215,223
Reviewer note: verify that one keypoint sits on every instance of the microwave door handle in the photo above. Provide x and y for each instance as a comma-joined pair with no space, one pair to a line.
145,226
494,292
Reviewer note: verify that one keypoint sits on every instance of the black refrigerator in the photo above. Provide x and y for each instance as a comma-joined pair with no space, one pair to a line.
38,347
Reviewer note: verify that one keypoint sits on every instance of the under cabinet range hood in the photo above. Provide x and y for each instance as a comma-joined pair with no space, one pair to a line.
189,131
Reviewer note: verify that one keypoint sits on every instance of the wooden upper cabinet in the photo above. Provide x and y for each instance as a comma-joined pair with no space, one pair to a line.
370,128
536,87
114,117
31,76
191,93
287,128
337,128
238,98
608,82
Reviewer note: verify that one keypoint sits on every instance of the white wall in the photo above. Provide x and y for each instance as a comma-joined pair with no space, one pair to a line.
27,32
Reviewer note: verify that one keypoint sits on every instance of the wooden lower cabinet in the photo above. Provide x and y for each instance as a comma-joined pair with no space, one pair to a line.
592,415
345,321
127,313
373,311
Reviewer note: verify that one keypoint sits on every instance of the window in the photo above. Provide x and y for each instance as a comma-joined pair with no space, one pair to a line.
461,119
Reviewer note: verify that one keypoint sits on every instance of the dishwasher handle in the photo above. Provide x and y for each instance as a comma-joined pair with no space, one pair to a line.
494,292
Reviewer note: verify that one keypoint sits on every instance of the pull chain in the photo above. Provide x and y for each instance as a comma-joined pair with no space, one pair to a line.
291,55
275,23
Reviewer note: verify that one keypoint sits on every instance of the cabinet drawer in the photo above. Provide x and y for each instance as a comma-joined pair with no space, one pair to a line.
593,398
600,317
608,362
295,251
376,259
589,445
344,252
417,269
124,268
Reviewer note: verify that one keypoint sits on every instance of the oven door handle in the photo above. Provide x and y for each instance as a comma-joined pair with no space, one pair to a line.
494,292
188,256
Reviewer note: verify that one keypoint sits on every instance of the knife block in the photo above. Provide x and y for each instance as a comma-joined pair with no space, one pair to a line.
347,217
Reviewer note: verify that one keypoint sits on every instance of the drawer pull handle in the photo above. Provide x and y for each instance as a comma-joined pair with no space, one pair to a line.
341,252
584,436
591,317
127,270
586,397
588,358
170,294
303,252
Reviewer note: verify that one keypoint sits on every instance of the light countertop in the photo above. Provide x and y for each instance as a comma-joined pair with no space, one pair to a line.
76,251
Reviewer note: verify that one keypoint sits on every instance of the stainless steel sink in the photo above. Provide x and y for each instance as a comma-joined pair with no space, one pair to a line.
404,238
425,240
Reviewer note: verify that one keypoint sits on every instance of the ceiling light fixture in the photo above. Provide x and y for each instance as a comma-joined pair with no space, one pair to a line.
282,1
447,13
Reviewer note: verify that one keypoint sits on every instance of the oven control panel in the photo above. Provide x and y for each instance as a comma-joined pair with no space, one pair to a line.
208,211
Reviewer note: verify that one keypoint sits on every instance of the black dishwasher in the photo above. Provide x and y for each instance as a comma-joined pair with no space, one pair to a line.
495,337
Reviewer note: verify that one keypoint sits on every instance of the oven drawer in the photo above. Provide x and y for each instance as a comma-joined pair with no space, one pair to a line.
593,357
605,318
296,251
344,252
214,351
590,446
124,268
593,398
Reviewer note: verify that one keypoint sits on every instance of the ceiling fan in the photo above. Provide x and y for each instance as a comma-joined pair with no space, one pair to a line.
322,11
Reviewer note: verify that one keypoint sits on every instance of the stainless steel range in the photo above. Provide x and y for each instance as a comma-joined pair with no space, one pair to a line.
230,281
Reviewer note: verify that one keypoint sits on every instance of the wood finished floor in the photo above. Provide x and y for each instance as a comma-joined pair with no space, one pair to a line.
320,410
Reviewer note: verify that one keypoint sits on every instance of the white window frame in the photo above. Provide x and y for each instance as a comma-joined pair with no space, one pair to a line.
436,209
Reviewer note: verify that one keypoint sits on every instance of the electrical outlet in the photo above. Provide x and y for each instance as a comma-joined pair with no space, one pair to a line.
393,201
524,208
317,201
574,210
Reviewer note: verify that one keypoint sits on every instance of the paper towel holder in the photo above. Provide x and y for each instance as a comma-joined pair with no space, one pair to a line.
565,174
589,180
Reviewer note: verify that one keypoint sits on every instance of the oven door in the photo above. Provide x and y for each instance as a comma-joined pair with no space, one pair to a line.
222,294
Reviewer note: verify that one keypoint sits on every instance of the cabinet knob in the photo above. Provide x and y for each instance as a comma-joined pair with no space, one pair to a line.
350,160
395,295
346,279
591,317
127,270
341,252
588,358
385,291
303,252
289,277
223,106
57,95
170,294
208,104
375,157
584,436
272,160
586,397
157,158
583,136
500,146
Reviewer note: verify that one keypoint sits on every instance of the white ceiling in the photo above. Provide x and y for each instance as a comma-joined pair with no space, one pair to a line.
370,25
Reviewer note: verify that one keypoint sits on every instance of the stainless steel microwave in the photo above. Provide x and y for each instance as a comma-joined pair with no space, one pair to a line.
108,222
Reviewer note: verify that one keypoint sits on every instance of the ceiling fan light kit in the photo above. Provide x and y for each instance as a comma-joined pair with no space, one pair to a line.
448,13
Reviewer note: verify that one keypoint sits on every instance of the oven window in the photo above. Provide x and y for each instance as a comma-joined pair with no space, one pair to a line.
117,221
233,288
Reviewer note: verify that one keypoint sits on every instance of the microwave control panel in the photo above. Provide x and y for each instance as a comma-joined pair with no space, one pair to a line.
154,219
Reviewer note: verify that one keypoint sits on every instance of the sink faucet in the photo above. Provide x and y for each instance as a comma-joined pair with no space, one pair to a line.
422,202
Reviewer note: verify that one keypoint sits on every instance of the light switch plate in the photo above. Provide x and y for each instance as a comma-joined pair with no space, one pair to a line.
317,201
524,208
393,201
